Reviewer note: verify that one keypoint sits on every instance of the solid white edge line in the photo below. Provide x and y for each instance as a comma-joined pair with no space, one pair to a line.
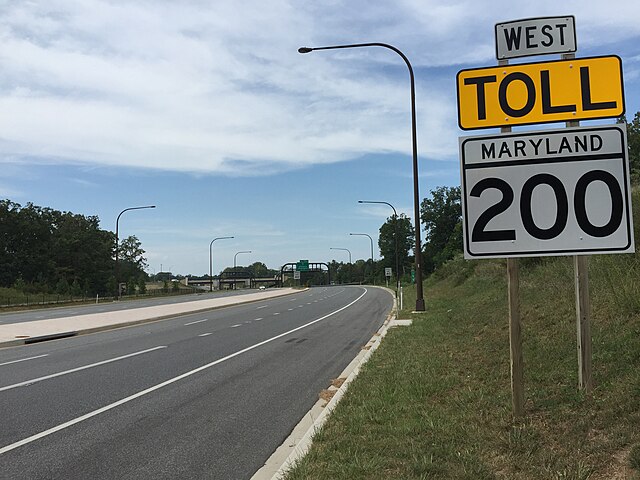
73,370
106,408
24,359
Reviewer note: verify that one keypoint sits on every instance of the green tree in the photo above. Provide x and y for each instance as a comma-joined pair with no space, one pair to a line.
633,141
131,286
62,287
42,246
441,216
76,289
142,285
131,260
406,243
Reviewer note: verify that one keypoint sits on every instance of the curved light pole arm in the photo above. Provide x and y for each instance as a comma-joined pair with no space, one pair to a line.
414,137
395,238
236,256
117,242
372,261
211,261
345,249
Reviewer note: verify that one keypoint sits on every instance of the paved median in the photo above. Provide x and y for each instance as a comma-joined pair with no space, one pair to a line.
29,332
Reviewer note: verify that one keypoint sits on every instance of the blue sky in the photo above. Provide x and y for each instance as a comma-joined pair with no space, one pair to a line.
205,109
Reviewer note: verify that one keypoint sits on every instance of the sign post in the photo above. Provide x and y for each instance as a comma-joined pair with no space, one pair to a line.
560,192
388,273
516,362
583,305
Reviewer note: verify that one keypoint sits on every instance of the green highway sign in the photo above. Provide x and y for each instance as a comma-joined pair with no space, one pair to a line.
302,266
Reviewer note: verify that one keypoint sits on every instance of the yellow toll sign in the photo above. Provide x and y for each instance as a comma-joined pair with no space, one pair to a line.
577,89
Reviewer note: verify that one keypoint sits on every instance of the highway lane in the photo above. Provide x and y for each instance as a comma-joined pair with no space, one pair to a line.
207,395
69,311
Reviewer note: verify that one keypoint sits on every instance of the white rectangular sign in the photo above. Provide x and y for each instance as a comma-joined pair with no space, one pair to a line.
387,272
535,36
554,192
296,274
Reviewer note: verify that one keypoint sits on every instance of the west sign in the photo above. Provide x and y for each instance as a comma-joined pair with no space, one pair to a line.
524,94
535,36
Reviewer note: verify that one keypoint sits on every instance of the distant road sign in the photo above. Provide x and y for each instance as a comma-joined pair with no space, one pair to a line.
535,36
303,265
387,272
560,192
524,94
296,274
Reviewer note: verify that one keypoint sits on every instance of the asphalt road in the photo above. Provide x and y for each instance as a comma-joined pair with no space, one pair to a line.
69,311
206,395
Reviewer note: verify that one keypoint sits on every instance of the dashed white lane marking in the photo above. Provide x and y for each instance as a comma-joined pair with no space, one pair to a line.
300,306
141,393
47,377
308,303
257,319
263,306
290,309
24,359
277,313
236,325
197,321
205,334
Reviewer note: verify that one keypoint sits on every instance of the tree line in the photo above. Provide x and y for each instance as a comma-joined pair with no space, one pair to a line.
43,250
441,217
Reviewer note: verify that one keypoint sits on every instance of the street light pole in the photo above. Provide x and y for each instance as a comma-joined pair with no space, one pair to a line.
236,255
118,246
234,265
395,236
211,262
345,249
371,239
414,137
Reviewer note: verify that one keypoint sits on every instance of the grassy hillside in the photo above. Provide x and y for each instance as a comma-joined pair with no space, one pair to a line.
435,399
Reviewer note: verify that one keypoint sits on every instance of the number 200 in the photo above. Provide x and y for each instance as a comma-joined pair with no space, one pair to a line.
480,234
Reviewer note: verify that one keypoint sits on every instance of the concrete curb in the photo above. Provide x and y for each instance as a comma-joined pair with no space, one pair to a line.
113,326
297,444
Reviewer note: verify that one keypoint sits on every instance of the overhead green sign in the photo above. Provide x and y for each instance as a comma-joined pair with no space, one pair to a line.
302,266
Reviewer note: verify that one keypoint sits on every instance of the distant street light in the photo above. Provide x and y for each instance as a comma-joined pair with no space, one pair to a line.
211,262
118,245
234,265
371,239
345,249
236,256
395,236
414,137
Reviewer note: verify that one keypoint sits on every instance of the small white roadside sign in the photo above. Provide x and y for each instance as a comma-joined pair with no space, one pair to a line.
535,36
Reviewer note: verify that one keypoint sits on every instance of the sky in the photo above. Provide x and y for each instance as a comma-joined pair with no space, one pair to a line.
206,110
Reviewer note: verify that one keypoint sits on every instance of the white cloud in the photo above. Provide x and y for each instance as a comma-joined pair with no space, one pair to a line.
219,86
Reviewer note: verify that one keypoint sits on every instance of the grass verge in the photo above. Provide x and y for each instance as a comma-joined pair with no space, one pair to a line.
435,400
